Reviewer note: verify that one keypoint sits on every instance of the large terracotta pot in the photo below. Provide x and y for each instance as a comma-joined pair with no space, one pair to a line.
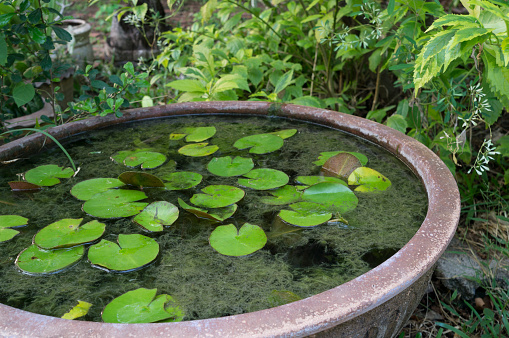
376,304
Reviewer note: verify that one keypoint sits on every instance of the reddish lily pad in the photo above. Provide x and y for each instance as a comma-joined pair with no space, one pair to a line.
47,175
328,154
23,186
132,252
341,165
142,180
68,232
157,214
142,306
229,241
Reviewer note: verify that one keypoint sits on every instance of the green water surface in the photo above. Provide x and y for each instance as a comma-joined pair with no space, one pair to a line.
205,283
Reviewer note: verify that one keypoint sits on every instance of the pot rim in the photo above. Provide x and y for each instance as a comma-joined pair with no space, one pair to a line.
311,315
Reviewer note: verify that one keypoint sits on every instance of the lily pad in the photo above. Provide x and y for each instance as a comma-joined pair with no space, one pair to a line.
214,214
334,195
341,165
157,214
328,154
260,143
228,167
142,180
34,260
229,241
284,195
115,203
142,306
181,180
368,180
217,196
120,156
68,232
305,214
198,149
278,298
312,180
264,179
47,175
23,186
10,221
84,190
147,160
78,311
193,134
133,252
284,134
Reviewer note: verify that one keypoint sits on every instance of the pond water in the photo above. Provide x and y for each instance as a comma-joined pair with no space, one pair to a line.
206,284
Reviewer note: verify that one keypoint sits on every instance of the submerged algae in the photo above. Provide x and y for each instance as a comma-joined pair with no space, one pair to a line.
205,283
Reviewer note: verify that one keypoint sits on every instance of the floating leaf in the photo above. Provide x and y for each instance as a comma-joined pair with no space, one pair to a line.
341,165
328,154
227,167
133,252
312,180
264,179
198,149
305,214
284,134
181,180
217,196
284,195
115,203
368,179
214,214
10,221
334,195
142,306
79,310
157,214
120,156
147,159
47,175
193,134
142,180
84,190
229,241
23,186
34,260
68,232
260,143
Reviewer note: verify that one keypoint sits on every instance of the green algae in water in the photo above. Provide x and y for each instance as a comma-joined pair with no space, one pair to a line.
203,282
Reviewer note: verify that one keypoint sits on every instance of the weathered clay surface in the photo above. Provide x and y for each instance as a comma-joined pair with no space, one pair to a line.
347,309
